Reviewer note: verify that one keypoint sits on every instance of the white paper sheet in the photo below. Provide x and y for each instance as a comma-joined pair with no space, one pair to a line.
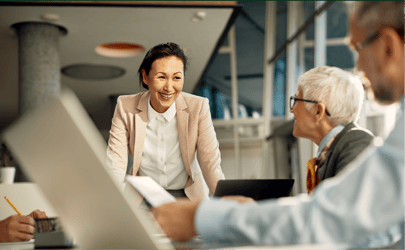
155,194
30,244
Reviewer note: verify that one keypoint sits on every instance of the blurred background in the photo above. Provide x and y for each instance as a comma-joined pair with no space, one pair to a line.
245,57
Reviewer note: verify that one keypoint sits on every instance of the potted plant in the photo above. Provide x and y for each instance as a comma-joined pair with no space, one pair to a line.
7,173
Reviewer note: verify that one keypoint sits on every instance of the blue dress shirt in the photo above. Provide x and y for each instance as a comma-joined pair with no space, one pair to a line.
364,199
393,237
335,131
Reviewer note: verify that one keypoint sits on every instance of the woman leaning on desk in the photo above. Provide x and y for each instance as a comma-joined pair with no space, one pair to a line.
163,128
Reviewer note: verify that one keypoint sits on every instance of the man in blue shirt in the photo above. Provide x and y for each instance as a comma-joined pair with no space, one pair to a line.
345,211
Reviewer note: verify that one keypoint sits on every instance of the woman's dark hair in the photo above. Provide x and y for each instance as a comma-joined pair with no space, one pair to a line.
157,52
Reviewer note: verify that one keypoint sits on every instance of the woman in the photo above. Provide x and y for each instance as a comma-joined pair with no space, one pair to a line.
163,128
326,108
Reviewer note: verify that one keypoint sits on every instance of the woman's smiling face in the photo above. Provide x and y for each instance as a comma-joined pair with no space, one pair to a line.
165,82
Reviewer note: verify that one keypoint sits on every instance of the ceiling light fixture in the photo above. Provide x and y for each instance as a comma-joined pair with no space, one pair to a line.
199,16
119,49
92,72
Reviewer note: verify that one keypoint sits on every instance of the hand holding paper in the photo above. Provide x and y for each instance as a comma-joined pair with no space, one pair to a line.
155,194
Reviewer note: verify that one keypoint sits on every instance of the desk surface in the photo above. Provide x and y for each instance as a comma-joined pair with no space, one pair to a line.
28,197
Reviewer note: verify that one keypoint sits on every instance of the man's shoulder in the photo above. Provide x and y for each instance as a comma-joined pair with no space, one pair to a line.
356,132
351,141
353,134
396,137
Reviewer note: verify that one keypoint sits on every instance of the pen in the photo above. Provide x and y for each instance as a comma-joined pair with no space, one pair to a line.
11,204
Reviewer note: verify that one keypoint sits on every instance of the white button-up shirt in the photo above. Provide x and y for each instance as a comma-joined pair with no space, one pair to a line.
161,158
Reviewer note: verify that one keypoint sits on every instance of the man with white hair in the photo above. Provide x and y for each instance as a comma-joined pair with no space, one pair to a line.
345,211
326,107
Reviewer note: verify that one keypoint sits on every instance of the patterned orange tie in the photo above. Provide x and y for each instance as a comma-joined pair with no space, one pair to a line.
313,166
312,175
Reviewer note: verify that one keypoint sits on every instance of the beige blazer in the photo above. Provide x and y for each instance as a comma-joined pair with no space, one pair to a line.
196,134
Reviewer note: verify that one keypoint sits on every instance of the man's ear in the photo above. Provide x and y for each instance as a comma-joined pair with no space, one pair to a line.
391,47
320,111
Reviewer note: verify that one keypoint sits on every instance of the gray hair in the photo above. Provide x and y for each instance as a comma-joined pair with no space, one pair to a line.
340,91
372,15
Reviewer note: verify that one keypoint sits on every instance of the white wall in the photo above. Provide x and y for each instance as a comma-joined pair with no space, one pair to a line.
250,157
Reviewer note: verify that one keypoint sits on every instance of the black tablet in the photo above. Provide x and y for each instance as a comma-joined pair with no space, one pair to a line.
257,189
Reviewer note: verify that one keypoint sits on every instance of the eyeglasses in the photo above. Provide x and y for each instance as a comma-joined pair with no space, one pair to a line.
368,41
293,99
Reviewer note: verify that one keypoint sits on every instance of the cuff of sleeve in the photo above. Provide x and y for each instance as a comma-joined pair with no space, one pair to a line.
211,217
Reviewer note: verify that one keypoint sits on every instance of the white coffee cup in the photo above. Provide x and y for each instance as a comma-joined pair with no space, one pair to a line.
7,175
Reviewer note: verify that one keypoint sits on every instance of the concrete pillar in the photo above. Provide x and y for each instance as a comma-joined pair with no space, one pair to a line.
38,67
39,64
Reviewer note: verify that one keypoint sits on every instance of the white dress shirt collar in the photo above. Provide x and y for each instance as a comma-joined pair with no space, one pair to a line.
168,114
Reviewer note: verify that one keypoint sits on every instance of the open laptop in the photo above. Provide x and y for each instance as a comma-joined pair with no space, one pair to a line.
60,149
257,189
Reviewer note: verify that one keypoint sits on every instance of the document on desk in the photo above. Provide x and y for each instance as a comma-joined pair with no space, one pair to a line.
30,244
155,194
